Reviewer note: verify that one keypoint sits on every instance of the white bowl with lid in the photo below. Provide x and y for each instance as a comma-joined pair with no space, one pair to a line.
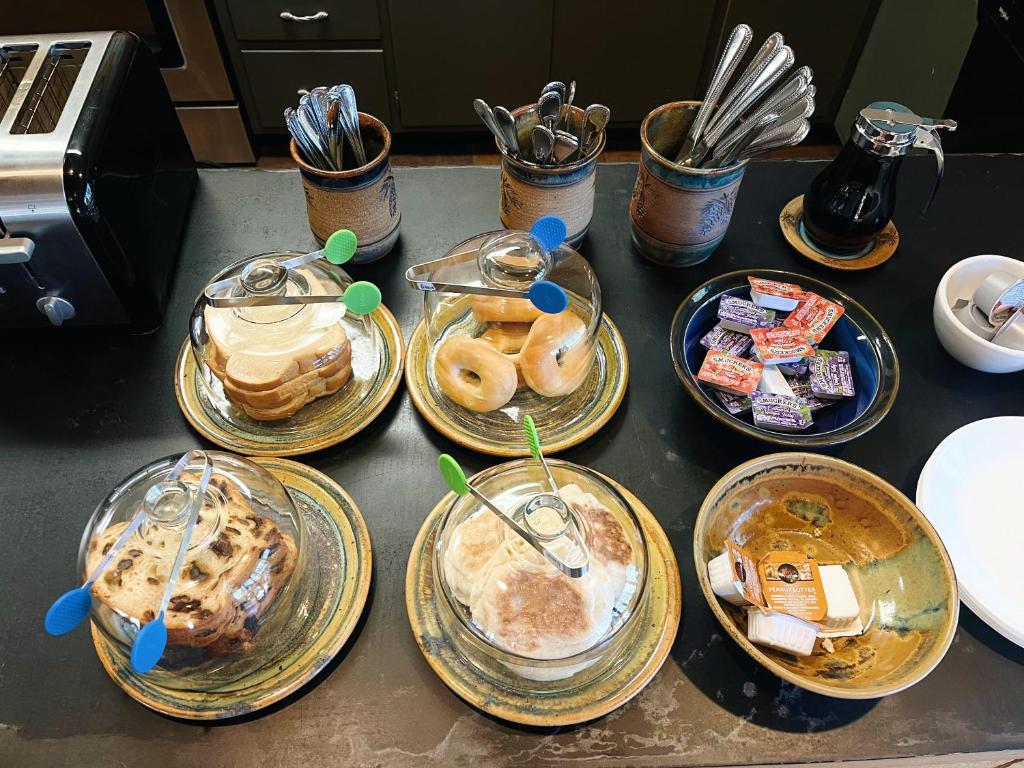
960,282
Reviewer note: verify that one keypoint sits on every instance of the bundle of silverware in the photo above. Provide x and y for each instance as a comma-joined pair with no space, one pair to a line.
748,119
324,120
556,134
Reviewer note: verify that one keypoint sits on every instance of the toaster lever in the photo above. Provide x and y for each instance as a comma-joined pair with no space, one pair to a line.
56,309
16,250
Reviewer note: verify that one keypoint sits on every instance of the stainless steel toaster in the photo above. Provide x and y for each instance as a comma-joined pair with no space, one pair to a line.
96,181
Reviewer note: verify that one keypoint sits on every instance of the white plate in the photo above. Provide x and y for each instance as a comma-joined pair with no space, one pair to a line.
972,491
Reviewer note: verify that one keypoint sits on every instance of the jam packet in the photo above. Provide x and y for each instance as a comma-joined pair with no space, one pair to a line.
801,387
780,413
734,404
831,375
774,346
745,574
721,339
730,373
773,294
740,315
791,584
814,316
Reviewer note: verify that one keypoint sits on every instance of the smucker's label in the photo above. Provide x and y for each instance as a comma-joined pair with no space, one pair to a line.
729,373
815,316
776,288
780,345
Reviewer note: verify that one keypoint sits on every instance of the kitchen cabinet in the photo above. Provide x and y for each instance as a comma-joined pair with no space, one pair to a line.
827,37
277,78
448,53
632,61
308,19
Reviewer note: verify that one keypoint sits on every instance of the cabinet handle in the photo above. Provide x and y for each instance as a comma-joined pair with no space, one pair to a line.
289,16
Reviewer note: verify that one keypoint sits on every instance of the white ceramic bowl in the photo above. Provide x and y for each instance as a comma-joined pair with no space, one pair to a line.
959,282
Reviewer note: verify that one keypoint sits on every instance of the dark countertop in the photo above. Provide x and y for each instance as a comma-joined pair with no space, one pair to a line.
81,411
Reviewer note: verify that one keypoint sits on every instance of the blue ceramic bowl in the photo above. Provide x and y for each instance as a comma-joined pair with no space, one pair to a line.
876,372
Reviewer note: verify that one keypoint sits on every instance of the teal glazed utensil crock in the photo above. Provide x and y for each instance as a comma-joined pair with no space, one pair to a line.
529,191
679,215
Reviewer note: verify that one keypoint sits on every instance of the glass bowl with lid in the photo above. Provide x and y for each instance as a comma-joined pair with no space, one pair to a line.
511,320
275,332
244,571
513,613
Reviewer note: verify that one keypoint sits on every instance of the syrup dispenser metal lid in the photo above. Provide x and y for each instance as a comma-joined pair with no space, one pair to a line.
889,129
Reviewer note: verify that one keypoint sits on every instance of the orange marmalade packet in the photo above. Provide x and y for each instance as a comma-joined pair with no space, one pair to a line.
792,584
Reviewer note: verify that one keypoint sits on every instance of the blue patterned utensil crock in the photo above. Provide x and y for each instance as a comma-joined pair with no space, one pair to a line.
679,215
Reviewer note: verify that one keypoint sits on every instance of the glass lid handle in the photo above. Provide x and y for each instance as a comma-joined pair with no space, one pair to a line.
262,283
151,641
456,480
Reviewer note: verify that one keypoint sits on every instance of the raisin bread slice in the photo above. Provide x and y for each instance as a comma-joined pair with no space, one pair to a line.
226,548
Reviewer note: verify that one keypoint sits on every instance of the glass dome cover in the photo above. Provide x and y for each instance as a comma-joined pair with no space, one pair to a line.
511,320
507,607
245,569
272,333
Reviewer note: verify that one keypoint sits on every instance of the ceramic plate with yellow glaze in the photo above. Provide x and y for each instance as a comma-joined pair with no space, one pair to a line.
837,512
879,252
655,638
324,422
561,422
336,529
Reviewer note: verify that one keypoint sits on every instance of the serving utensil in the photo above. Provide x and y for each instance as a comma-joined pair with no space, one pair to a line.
549,107
457,482
507,125
350,121
732,53
543,143
487,117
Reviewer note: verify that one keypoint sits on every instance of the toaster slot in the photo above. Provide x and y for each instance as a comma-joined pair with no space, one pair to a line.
14,61
51,88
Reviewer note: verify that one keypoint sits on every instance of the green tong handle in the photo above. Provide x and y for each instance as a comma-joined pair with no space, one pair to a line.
533,440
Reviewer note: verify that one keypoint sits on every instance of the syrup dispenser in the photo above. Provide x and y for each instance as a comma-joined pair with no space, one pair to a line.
852,200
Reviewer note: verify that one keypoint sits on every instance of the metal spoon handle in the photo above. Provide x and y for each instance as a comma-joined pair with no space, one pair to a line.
485,114
772,71
507,126
351,122
797,132
732,53
738,139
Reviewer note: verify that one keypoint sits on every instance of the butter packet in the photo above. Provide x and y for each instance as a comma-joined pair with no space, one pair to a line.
791,584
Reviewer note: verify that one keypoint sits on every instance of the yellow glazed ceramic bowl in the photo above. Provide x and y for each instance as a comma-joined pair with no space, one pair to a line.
837,512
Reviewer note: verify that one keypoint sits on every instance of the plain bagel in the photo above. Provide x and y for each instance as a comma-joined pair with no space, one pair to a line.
557,356
474,374
495,309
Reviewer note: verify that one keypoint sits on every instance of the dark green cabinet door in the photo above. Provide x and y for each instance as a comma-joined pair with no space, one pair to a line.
631,55
826,36
447,54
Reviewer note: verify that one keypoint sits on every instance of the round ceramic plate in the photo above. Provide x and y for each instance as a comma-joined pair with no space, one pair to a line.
561,423
837,512
879,252
970,491
584,703
338,533
876,370
325,422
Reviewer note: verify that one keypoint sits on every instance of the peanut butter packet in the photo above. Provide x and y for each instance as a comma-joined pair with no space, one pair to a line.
792,584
